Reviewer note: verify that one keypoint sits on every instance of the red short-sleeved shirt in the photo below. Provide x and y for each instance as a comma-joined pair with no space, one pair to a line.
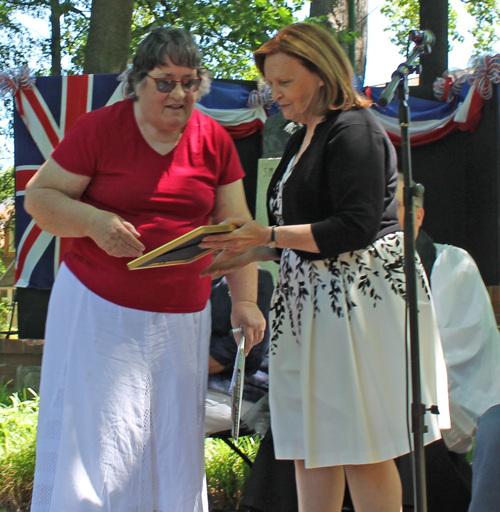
163,196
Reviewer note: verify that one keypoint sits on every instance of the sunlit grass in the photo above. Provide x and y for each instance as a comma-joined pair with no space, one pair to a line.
18,422
226,471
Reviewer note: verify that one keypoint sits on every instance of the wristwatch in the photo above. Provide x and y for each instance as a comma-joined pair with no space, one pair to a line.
272,243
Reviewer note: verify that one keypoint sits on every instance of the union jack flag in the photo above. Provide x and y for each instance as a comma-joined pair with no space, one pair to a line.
45,112
43,115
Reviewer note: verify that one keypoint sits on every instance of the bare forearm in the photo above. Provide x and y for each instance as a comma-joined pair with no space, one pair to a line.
251,235
245,313
297,237
57,213
243,284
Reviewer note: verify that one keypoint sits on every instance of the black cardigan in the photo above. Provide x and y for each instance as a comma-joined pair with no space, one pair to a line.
344,184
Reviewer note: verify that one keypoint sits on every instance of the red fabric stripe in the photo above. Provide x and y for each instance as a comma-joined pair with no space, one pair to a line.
76,104
473,118
244,129
426,138
22,178
19,102
28,244
42,116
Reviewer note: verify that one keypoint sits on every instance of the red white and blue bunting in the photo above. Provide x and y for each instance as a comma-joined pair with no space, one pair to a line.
228,104
460,95
483,75
51,105
11,80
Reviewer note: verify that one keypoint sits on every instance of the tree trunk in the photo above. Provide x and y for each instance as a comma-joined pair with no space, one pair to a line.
55,38
108,43
434,17
340,11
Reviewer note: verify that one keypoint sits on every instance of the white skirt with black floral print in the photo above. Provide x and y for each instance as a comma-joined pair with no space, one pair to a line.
339,364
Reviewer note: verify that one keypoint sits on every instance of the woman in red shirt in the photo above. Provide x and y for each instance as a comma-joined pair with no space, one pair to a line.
126,353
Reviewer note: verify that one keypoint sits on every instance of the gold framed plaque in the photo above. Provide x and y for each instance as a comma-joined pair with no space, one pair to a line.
182,250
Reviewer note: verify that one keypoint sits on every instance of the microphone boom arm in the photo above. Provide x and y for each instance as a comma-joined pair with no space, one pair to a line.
403,71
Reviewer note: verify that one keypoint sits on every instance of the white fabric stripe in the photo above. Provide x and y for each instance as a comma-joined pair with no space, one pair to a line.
27,167
35,127
233,117
118,95
25,235
391,124
90,92
462,112
57,252
64,104
34,254
47,110
64,101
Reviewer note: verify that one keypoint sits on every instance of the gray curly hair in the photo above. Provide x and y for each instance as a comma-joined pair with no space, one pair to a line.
175,43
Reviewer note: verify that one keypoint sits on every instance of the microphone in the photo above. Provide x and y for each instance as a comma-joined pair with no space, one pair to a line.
422,37
423,40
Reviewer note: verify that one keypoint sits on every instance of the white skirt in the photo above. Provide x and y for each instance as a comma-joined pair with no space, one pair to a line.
122,395
338,365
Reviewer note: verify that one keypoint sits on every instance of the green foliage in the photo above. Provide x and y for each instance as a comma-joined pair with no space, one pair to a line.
487,16
7,220
74,32
17,44
5,313
72,13
4,393
344,37
7,185
226,30
470,454
226,471
18,422
404,16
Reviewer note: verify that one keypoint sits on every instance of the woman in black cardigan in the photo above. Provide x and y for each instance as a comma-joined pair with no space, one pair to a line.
337,366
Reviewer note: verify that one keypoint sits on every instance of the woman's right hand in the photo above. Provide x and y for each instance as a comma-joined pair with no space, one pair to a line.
52,199
114,235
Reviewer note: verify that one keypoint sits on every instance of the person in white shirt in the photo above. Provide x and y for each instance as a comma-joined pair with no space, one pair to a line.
471,344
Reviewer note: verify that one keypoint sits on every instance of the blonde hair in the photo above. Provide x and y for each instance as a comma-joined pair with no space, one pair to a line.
321,54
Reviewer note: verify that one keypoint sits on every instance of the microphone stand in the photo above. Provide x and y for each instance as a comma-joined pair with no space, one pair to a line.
418,409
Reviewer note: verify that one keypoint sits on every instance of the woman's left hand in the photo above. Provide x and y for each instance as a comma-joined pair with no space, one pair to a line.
248,234
247,315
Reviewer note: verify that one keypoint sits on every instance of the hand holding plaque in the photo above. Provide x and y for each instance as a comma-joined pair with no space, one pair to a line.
182,250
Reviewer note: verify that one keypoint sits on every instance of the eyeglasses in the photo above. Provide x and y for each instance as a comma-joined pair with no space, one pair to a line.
165,85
